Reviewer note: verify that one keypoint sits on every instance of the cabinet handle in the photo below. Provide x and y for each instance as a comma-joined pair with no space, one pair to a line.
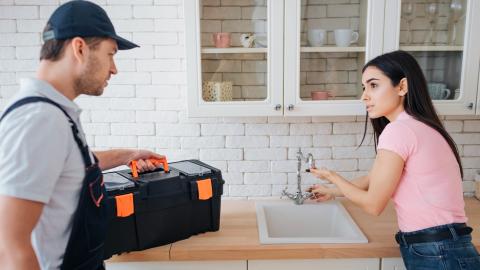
469,105
278,107
290,107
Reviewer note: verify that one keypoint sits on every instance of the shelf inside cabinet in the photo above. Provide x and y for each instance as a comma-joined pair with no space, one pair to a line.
234,50
332,49
431,48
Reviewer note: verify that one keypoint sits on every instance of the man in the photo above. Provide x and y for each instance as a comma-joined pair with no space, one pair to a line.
50,185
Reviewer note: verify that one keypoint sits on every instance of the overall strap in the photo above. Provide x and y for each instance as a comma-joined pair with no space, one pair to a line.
83,147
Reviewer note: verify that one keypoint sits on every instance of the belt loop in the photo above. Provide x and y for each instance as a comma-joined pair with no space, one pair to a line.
453,232
402,237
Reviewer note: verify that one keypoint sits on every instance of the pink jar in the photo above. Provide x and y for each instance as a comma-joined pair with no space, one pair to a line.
221,39
321,95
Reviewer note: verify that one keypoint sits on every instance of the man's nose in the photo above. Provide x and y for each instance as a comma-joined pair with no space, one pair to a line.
113,68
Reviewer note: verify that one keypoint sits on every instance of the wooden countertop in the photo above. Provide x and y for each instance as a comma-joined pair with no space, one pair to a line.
237,238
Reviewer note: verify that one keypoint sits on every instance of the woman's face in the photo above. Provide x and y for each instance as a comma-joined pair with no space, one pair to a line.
381,98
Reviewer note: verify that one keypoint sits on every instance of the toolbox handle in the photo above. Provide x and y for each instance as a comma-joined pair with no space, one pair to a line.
155,161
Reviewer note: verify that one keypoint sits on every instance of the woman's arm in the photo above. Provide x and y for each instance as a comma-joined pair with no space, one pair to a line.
319,189
381,182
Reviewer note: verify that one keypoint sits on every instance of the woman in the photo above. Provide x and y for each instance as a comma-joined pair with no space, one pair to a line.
417,165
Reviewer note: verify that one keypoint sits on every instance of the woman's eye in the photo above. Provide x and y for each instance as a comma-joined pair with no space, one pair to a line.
373,85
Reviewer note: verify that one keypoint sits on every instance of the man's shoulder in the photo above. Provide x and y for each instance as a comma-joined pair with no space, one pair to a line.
40,111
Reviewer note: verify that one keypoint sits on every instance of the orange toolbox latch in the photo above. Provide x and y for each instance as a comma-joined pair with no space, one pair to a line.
125,206
205,190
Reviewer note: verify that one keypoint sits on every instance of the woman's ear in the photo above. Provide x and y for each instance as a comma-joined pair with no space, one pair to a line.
403,87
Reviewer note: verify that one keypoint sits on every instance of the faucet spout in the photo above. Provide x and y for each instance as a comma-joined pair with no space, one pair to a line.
299,197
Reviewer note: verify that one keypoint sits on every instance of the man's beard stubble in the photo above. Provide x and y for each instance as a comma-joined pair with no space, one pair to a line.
86,83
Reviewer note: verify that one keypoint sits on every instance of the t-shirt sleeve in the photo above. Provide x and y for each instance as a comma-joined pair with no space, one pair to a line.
398,138
33,150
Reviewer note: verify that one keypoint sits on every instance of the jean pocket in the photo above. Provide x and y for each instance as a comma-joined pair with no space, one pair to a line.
472,263
426,251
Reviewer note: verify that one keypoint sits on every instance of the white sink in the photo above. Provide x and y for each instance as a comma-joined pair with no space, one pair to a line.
283,222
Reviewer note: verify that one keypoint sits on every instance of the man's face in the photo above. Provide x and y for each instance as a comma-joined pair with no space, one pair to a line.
99,67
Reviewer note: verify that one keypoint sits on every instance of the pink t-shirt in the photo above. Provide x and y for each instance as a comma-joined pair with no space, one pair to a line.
430,189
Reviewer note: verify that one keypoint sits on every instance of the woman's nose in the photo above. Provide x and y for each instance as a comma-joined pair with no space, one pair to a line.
364,95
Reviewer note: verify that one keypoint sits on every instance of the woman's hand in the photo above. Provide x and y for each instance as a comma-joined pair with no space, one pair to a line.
321,193
142,157
323,174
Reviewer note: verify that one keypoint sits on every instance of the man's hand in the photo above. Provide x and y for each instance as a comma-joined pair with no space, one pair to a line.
117,157
142,157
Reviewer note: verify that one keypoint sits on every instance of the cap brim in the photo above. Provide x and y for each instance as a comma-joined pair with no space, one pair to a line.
124,44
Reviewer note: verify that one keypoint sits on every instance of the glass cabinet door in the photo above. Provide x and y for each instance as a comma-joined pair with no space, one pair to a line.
239,48
327,50
435,32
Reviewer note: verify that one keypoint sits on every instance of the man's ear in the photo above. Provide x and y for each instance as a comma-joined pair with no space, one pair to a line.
79,49
403,90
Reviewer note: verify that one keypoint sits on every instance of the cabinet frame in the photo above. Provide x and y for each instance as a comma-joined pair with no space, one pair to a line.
373,47
470,60
197,107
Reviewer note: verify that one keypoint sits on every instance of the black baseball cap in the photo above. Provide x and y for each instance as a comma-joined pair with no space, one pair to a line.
83,19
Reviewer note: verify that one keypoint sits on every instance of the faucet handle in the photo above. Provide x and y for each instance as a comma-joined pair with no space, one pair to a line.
307,195
285,193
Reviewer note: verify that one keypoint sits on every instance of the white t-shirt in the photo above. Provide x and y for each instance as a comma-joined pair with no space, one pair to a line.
40,161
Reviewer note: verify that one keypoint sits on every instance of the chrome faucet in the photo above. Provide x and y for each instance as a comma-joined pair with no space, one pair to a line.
299,197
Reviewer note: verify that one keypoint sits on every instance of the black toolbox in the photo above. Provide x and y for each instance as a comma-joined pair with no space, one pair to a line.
159,207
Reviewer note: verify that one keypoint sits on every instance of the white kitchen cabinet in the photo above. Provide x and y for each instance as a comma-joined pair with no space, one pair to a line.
393,264
444,40
179,265
328,68
252,76
279,75
478,95
328,264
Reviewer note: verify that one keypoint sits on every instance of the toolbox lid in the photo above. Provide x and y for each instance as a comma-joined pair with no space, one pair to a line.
189,168
115,181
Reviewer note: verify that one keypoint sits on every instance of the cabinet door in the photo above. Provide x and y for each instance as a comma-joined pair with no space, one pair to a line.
442,36
172,265
326,45
393,264
234,57
330,264
478,94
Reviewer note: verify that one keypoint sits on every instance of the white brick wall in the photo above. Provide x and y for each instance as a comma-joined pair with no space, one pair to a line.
144,105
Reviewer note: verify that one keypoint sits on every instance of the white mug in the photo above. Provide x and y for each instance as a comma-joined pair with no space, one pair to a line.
438,91
345,37
316,37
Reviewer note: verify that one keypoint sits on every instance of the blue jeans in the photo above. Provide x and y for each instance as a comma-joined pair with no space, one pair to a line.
457,253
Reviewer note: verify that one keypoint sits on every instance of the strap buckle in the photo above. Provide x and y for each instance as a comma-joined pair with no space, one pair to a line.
95,189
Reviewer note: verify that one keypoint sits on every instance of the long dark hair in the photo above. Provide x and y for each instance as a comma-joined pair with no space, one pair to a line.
417,103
